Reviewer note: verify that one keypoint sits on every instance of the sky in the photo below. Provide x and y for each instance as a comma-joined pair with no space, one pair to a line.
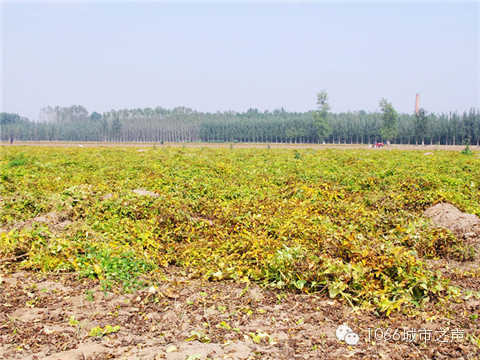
238,55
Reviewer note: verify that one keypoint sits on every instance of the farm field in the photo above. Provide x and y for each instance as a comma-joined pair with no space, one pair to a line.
260,145
217,252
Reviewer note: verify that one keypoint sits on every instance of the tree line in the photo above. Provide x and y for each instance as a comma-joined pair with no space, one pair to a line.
182,124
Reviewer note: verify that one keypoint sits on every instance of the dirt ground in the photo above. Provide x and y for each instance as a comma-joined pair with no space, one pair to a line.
47,316
425,148
464,226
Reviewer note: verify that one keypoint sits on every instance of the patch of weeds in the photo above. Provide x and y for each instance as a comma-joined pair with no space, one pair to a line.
194,357
99,332
463,252
437,242
466,150
198,336
110,268
72,321
259,337
224,325
281,270
18,160
89,295
246,310
281,297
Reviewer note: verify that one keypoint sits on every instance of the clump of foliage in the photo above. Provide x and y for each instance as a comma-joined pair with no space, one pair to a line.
110,268
100,332
283,268
18,160
431,242
321,126
389,127
466,150
346,223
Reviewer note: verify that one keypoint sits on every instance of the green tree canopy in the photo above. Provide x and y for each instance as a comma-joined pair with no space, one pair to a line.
321,126
389,127
421,125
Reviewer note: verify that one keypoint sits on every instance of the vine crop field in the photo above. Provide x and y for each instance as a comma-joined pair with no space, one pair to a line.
316,237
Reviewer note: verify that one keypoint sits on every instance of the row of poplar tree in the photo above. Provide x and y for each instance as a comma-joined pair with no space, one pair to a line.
182,124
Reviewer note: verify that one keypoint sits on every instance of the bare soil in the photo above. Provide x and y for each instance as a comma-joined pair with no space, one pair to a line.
143,192
464,226
48,316
56,221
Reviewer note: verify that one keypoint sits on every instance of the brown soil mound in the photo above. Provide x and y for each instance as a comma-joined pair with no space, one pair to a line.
54,220
463,225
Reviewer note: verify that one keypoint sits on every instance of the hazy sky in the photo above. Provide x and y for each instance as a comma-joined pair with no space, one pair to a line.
233,56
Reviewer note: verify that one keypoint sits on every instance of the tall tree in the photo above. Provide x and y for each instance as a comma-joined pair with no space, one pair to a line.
389,127
421,125
321,126
116,127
